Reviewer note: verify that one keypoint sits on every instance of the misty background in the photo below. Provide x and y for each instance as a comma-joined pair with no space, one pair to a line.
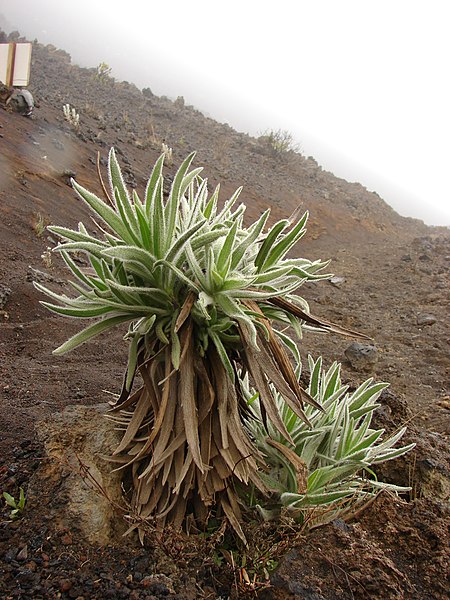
363,87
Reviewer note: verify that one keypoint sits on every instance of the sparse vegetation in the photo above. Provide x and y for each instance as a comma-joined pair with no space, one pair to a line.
168,153
17,506
280,141
46,257
40,224
71,116
103,72
154,140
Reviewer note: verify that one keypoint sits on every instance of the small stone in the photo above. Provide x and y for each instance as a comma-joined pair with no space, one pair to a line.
27,579
11,554
362,357
444,402
38,276
23,554
425,319
336,280
158,584
32,566
66,539
5,293
65,585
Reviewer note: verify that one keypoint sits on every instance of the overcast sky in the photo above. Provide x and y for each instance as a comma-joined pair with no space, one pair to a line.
362,85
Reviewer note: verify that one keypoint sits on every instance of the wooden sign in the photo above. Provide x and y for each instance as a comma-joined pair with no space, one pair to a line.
15,62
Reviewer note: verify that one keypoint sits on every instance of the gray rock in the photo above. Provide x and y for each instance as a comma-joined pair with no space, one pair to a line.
38,276
5,293
78,482
42,277
362,357
425,319
336,280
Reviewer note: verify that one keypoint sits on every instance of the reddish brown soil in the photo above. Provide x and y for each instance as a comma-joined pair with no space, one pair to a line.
393,270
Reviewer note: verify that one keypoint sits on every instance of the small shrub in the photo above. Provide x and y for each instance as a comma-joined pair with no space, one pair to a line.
103,72
198,290
40,224
280,141
154,140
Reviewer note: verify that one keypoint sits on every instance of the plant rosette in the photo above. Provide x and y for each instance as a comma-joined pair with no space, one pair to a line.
206,299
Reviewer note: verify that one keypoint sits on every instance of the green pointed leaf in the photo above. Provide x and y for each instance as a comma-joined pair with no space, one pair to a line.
180,184
250,239
82,313
128,216
75,236
179,244
106,213
144,227
225,256
223,355
155,176
269,242
115,178
279,250
9,500
90,332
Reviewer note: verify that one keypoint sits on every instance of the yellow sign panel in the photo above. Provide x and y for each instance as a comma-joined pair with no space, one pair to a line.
15,61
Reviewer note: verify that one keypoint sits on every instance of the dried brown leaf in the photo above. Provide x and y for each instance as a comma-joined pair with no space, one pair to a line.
139,414
187,395
185,310
315,321
301,470
233,519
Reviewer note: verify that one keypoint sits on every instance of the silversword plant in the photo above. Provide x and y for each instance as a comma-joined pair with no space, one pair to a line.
327,469
168,153
205,298
71,116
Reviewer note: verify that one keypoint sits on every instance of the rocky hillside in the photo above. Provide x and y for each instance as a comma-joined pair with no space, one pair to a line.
119,114
377,255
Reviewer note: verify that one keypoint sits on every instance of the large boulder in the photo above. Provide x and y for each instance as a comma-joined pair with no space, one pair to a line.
76,483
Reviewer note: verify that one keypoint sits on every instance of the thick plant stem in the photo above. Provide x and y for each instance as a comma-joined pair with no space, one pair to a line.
185,441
